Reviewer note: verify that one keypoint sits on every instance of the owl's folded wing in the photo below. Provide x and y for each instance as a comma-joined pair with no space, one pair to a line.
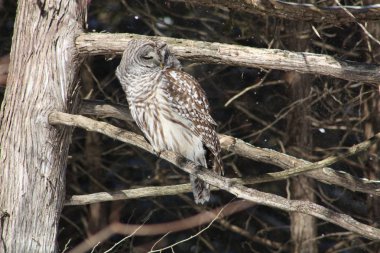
187,98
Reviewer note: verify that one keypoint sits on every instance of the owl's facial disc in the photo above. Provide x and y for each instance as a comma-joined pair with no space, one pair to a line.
150,57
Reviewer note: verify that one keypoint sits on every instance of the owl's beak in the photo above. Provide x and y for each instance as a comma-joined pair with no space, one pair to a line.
158,61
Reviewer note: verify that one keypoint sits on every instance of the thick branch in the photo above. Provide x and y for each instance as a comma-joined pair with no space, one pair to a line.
103,109
217,53
240,191
296,11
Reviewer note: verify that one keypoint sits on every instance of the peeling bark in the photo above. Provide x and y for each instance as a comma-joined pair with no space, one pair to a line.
43,76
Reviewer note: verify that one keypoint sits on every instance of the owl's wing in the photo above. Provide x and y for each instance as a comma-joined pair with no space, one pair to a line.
187,98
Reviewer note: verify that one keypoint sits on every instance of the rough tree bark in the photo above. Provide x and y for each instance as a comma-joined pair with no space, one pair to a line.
371,110
303,227
42,78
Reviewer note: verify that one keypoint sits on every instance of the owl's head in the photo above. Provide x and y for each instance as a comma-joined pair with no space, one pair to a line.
146,55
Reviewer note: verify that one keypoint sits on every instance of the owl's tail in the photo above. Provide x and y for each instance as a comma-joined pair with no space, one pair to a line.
201,190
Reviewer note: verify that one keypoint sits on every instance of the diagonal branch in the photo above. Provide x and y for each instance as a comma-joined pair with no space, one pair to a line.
239,147
226,184
217,53
323,163
326,175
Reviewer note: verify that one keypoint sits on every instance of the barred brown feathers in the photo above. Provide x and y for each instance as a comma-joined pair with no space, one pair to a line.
170,107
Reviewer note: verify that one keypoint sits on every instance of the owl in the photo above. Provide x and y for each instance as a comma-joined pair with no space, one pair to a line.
170,108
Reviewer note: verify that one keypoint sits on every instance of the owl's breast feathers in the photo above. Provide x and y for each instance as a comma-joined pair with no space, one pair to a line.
174,115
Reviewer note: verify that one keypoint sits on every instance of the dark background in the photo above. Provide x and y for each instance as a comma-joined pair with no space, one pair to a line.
339,112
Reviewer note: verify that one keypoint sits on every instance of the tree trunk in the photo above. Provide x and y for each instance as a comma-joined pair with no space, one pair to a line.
371,111
43,77
303,227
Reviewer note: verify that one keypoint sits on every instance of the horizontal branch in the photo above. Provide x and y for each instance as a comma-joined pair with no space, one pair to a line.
217,53
156,191
150,191
271,200
297,11
239,147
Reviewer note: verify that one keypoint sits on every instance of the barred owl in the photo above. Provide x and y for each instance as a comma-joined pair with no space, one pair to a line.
170,107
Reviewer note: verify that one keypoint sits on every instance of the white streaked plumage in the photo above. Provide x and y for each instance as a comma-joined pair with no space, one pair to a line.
170,107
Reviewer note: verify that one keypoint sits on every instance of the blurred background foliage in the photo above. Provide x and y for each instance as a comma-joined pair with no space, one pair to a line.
340,114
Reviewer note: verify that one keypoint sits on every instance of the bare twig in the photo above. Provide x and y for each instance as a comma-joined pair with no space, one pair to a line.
226,184
323,163
251,87
162,228
192,236
350,14
284,161
217,53
236,229
297,11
